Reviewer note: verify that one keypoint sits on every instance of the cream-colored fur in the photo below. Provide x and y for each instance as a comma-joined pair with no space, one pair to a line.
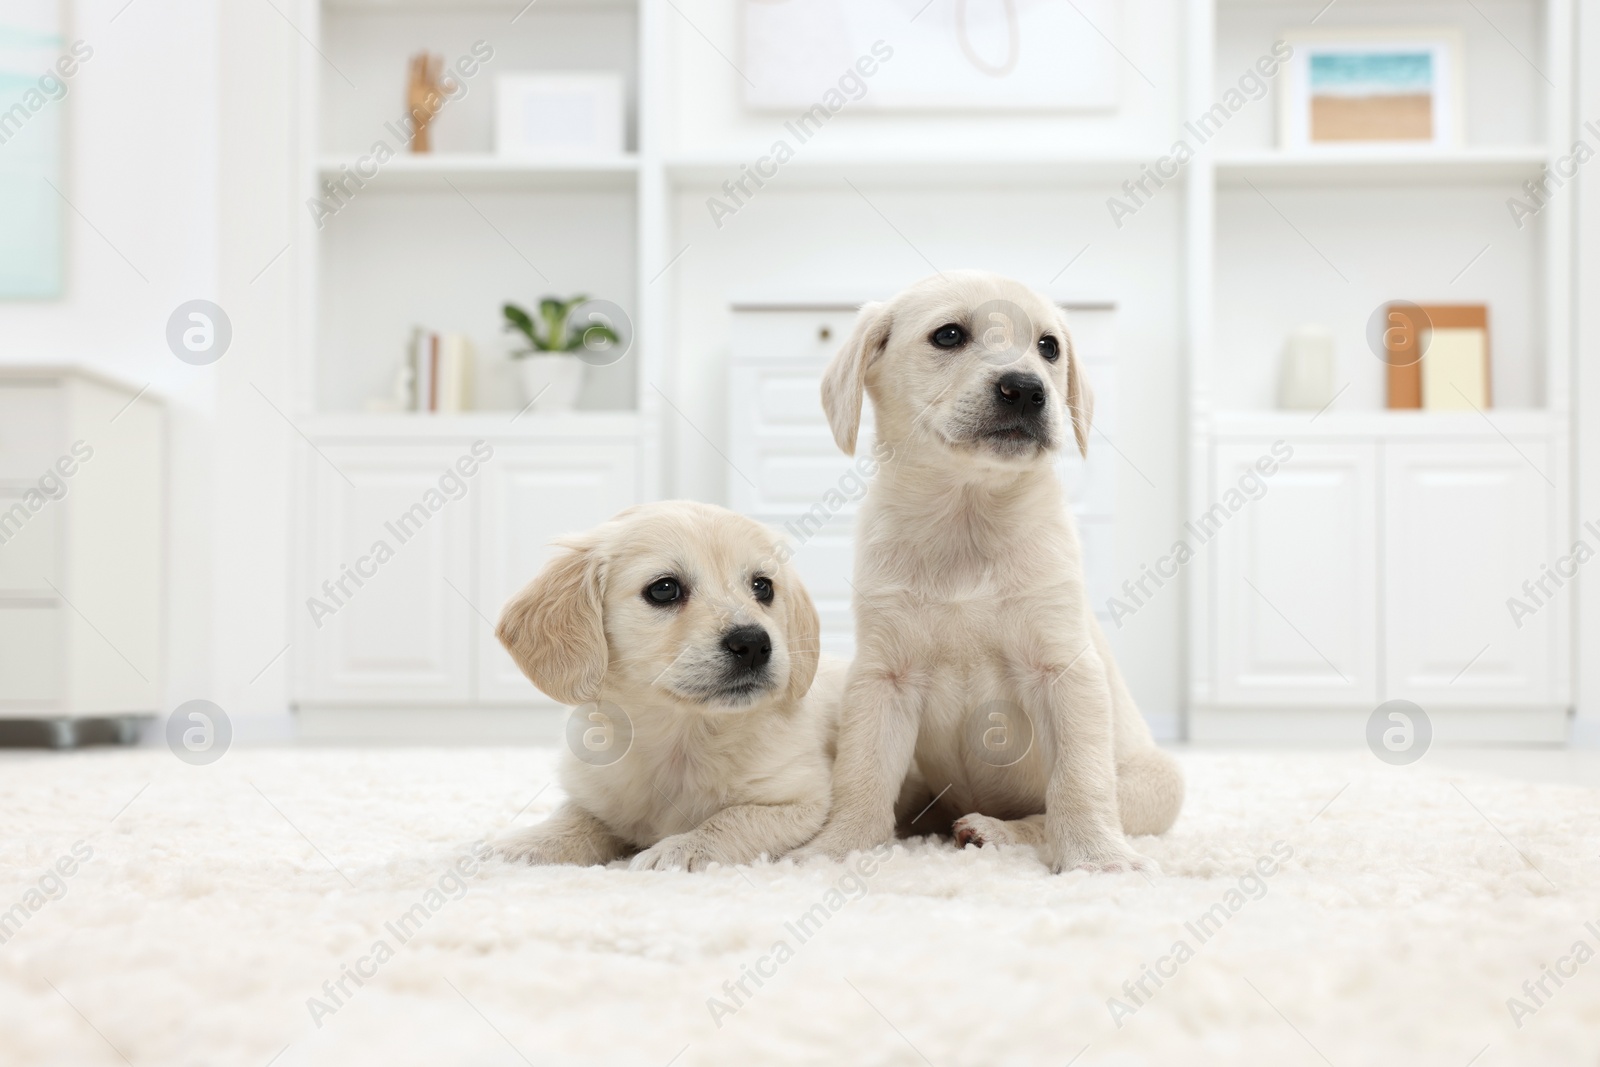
709,777
971,595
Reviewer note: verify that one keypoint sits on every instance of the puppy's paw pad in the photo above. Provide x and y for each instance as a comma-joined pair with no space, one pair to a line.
677,853
528,846
1106,861
980,830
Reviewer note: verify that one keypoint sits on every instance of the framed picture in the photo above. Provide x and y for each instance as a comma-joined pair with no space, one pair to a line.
992,56
559,116
32,103
1345,88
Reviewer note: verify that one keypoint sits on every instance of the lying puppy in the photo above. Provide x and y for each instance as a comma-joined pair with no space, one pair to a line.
977,651
711,729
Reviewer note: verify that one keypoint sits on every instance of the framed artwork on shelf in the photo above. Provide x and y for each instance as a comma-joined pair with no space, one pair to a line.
1438,357
818,57
559,116
1390,87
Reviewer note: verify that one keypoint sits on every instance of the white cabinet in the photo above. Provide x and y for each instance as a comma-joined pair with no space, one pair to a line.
533,494
790,474
1466,525
408,559
384,621
1297,592
1378,565
82,508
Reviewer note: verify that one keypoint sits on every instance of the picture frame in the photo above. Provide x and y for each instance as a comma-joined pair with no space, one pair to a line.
1372,88
560,116
940,56
33,93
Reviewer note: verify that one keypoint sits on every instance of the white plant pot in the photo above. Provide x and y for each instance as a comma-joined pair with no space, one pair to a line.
551,381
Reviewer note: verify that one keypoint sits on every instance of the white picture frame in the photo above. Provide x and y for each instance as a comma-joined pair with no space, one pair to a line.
1341,81
35,68
948,56
560,116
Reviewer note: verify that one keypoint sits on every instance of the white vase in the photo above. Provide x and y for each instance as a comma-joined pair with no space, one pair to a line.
551,380
1305,381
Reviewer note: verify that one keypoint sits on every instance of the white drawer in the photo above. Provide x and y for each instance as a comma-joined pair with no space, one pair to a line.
28,541
795,475
32,434
825,560
1100,577
30,655
782,398
838,631
1090,484
807,335
1093,333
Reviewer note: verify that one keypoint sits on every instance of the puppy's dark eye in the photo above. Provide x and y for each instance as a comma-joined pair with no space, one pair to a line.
950,335
664,591
1049,348
762,587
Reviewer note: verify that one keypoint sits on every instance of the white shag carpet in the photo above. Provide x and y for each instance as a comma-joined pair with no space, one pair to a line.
222,898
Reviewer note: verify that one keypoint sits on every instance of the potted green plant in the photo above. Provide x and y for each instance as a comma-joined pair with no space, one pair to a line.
552,372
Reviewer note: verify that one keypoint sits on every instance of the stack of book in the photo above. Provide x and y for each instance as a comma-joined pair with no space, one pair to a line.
441,371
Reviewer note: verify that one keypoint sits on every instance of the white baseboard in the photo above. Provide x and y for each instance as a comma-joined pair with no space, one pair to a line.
540,725
1585,733
1348,726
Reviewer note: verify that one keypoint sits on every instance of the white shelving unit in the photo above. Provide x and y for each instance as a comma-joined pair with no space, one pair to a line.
1246,243
1373,568
442,241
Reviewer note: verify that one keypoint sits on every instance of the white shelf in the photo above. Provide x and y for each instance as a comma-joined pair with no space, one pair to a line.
1380,166
412,426
475,170
986,170
451,7
1434,425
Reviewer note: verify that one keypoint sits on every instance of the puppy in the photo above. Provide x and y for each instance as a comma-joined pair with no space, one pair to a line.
977,651
708,728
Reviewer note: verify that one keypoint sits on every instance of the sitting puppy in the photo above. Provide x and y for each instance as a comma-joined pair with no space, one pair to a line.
978,654
710,732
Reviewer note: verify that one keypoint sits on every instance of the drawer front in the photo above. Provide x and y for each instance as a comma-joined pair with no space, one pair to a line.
811,336
824,558
29,540
32,430
31,655
802,476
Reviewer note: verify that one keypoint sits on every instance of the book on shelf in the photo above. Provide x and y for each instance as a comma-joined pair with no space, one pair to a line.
442,371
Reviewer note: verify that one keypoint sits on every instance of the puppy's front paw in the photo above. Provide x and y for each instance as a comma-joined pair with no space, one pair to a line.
981,830
835,842
680,852
539,847
532,845
1107,856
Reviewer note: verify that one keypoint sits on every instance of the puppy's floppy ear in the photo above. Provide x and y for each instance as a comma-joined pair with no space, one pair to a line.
845,380
1080,401
555,629
804,632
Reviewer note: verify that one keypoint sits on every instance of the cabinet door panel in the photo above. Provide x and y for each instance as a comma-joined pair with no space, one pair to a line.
1296,576
1466,526
402,634
533,494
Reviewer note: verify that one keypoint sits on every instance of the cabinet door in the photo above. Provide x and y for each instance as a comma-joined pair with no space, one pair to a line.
1296,575
1466,526
402,635
533,494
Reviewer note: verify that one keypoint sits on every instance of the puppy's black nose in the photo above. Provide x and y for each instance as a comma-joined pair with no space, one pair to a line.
1018,389
750,645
